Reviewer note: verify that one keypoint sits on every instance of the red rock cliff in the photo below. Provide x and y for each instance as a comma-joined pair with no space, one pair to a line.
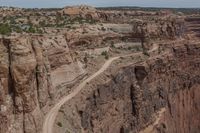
158,95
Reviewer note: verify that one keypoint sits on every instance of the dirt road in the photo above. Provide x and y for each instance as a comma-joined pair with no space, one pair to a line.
51,116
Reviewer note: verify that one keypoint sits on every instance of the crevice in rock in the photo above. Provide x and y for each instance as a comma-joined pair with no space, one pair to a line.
24,122
37,85
11,87
140,73
134,112
36,75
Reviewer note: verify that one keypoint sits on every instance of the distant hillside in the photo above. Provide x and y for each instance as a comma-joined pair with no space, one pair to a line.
184,10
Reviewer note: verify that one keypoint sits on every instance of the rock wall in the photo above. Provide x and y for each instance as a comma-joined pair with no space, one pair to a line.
103,15
27,85
182,114
131,101
20,98
164,27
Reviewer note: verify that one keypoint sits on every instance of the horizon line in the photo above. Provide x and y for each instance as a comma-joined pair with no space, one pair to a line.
102,7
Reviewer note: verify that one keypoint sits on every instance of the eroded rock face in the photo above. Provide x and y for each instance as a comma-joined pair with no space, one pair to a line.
113,16
166,27
182,114
23,64
130,102
81,11
5,99
20,99
27,70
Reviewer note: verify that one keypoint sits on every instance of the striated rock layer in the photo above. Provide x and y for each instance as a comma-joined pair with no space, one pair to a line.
159,95
27,79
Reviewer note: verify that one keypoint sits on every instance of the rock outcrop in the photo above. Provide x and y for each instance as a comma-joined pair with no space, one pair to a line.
20,93
81,11
41,57
166,28
31,69
113,16
130,102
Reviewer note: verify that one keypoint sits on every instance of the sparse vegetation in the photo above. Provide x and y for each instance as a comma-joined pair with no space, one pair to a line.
5,29
61,110
129,48
31,29
112,44
17,29
75,54
146,53
105,53
103,28
85,59
59,124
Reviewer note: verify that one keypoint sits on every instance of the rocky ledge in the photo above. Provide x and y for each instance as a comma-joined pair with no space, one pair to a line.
132,99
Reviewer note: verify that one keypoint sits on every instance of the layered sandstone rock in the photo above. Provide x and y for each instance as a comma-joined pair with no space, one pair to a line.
36,69
21,99
113,16
31,69
131,101
81,11
166,28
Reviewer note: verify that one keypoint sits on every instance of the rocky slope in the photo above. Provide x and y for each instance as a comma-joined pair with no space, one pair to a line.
130,101
31,69
37,68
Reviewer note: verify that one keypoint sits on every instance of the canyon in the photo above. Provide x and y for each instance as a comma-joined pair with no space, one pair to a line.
90,70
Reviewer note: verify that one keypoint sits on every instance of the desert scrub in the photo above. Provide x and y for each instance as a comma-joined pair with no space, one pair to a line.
59,124
62,111
5,29
105,53
112,44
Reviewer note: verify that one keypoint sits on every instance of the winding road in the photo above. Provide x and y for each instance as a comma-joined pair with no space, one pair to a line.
51,116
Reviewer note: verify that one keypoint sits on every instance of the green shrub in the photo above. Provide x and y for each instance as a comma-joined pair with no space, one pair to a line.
59,124
129,48
42,23
17,29
105,53
137,48
146,53
62,111
5,29
112,44
107,57
85,59
31,29
39,31
34,29
69,26
12,21
103,28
